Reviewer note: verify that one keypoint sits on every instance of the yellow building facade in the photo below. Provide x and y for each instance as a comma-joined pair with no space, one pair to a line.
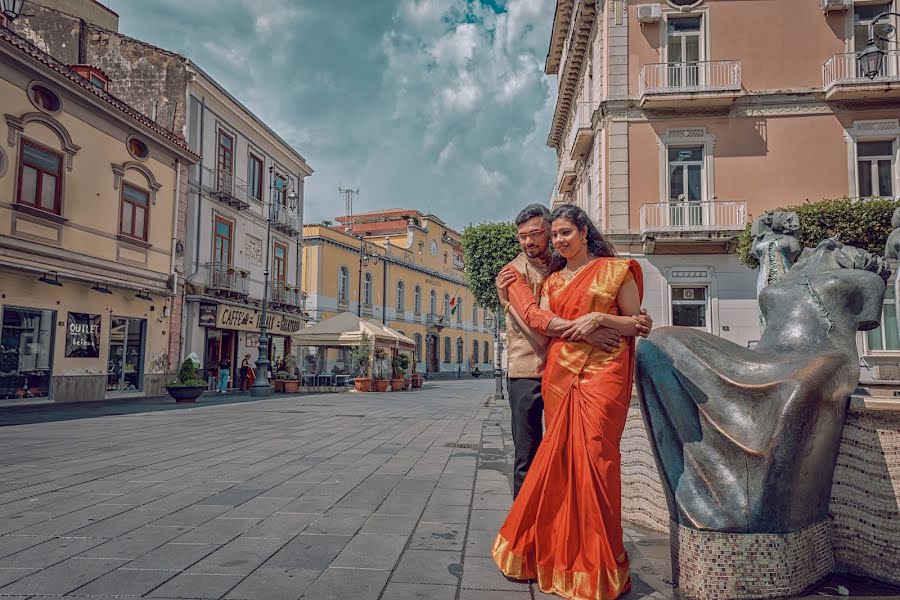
406,277
89,197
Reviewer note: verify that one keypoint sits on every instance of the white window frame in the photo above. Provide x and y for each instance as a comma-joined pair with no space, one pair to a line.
682,138
889,303
669,12
367,289
881,130
705,303
343,291
401,296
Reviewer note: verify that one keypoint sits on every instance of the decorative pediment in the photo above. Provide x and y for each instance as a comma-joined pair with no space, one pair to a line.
17,128
119,172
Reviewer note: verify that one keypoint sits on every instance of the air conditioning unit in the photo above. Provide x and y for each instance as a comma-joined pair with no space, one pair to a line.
648,13
832,5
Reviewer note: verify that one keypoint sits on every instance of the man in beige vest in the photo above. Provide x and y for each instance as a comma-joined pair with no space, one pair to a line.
527,349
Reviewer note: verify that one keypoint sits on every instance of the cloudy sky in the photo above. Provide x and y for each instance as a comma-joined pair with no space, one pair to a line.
440,105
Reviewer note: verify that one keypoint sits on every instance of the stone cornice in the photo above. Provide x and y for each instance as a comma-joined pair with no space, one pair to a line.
561,19
578,45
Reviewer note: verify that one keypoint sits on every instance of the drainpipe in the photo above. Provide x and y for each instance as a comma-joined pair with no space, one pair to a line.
173,247
186,337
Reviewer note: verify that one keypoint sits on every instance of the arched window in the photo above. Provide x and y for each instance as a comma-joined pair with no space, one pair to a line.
433,308
447,306
421,247
343,285
474,315
367,289
475,351
418,300
418,339
487,353
459,310
401,297
446,349
459,351
445,258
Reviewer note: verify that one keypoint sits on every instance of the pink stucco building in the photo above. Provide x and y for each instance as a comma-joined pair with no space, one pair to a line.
678,121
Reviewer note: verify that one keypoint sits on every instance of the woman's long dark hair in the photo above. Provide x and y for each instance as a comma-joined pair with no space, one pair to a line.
596,243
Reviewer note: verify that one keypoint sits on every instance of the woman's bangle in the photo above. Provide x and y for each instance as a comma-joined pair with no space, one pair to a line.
598,320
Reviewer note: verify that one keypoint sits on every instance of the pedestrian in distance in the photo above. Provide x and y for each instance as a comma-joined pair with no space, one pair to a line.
245,372
224,372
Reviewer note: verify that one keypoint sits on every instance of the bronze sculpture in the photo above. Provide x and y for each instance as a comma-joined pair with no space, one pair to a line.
775,246
746,440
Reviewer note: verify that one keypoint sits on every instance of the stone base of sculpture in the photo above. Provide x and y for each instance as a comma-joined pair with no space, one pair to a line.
718,566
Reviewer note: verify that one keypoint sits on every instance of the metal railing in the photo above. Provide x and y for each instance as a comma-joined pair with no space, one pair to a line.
226,278
432,319
691,77
285,219
228,188
693,216
284,294
844,69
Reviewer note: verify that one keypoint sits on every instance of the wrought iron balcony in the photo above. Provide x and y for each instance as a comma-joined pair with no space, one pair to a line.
843,78
286,221
678,84
226,280
285,295
228,189
435,320
678,217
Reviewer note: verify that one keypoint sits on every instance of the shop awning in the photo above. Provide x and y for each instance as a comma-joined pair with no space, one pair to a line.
346,329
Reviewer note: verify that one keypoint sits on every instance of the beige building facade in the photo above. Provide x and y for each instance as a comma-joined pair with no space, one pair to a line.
405,269
679,121
89,193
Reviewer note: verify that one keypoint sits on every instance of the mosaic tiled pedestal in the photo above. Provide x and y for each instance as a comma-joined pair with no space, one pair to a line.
719,566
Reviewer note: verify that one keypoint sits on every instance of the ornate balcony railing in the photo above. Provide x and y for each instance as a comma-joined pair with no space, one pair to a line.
284,294
226,279
844,69
286,220
435,320
691,77
693,216
228,189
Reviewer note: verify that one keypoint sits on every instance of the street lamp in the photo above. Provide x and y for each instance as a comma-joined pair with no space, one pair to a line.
11,9
493,322
365,255
261,385
871,59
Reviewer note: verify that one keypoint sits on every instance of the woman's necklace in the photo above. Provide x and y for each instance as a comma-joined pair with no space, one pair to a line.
569,274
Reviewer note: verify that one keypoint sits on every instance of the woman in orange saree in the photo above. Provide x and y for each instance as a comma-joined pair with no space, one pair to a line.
564,528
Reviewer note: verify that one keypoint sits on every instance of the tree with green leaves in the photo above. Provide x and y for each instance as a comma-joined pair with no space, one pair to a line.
486,249
861,223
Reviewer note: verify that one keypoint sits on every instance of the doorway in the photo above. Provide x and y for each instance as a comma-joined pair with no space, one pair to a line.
125,372
431,353
220,343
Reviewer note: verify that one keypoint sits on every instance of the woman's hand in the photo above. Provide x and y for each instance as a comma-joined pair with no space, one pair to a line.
505,278
642,324
581,327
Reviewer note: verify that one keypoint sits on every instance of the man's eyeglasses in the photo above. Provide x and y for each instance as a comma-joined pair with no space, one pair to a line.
534,234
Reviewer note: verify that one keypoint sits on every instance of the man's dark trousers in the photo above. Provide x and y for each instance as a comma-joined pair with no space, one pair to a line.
527,409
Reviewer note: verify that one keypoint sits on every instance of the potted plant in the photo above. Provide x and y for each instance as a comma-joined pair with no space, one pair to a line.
287,374
476,373
360,357
381,379
401,363
416,379
188,387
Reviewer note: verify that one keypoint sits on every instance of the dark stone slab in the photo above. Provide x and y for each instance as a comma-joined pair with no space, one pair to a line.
309,551
268,583
197,585
429,566
371,551
239,557
283,525
419,591
342,584
438,536
50,552
125,582
63,577
172,556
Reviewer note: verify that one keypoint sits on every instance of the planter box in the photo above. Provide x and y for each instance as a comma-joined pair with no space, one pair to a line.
380,385
291,385
186,394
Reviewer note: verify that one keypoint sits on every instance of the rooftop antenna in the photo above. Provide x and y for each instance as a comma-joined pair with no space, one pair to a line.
348,206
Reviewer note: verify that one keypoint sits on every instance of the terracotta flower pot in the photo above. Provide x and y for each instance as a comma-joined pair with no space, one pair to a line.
398,384
291,385
363,384
381,385
278,384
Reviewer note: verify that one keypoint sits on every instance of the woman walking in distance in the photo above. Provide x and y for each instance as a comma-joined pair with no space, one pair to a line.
565,526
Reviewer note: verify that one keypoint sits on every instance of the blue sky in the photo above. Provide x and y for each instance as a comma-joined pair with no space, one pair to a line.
440,105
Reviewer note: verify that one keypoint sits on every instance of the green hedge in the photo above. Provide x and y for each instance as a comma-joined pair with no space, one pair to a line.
861,223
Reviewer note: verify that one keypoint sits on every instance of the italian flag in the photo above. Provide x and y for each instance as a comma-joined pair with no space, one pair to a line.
454,304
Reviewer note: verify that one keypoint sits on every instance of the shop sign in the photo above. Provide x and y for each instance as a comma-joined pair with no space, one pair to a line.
246,319
207,315
83,335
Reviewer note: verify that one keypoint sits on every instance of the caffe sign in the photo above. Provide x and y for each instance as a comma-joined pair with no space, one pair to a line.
247,319
83,335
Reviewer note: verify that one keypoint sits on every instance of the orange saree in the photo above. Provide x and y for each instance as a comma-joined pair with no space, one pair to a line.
565,527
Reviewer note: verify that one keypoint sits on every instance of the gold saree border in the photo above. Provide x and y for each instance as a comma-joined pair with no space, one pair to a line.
575,585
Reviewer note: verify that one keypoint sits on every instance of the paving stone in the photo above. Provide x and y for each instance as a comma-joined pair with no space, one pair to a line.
197,585
217,531
505,595
309,551
419,591
479,543
339,522
123,548
371,551
172,556
191,516
126,582
396,524
63,577
343,584
117,525
231,497
239,557
257,508
9,575
487,520
283,525
428,566
439,513
438,536
10,544
451,497
267,583
481,573
50,552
